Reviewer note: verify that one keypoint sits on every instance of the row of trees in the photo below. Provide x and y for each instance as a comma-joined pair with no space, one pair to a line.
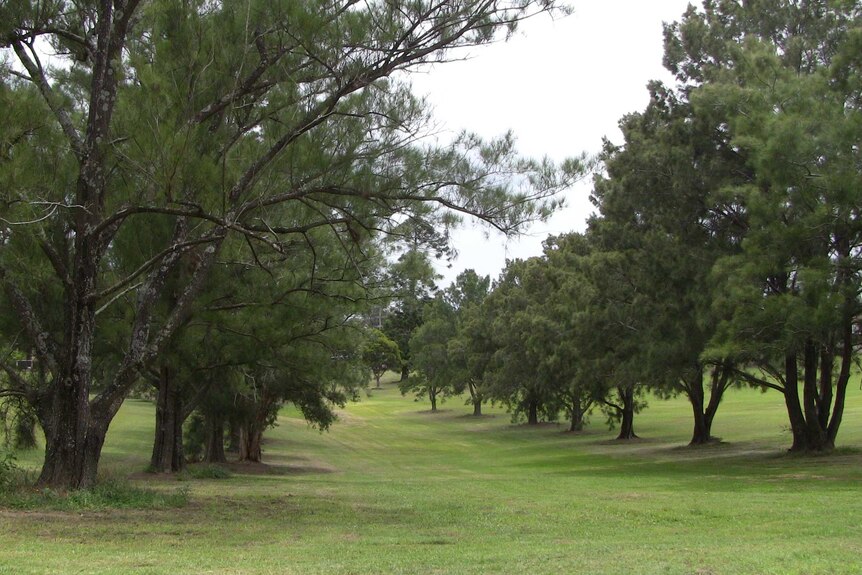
196,193
726,248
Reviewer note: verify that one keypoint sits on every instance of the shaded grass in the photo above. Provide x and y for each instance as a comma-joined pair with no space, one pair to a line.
395,489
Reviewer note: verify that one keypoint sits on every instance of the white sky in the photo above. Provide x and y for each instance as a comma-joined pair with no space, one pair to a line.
560,86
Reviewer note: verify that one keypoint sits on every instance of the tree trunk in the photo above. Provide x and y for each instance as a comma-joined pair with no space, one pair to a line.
168,453
533,412
791,401
68,445
578,412
250,442
705,415
405,372
627,413
432,395
476,398
843,380
215,440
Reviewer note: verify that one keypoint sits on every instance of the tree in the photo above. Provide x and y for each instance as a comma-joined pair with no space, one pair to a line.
380,354
239,119
413,281
430,344
470,349
660,201
784,88
517,375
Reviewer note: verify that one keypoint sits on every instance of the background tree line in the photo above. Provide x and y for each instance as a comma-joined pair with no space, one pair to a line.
725,249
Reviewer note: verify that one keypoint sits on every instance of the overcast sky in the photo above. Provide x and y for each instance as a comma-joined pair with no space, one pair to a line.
560,86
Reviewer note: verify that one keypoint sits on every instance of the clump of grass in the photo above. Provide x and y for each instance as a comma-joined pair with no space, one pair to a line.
110,493
204,472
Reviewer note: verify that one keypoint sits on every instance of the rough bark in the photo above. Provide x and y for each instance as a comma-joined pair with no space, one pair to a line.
405,372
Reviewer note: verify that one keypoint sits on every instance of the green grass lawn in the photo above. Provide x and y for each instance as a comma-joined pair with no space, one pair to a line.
395,489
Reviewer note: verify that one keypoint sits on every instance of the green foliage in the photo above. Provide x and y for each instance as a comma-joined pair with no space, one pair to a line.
430,351
380,354
176,153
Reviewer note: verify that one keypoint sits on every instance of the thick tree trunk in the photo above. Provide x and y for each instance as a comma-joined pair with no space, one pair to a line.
533,412
67,424
802,441
71,463
579,412
168,452
250,443
214,452
405,372
704,415
477,408
627,414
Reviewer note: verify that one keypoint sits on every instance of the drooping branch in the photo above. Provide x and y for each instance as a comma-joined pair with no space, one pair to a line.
754,380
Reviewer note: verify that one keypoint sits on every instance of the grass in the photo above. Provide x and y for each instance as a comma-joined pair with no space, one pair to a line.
395,489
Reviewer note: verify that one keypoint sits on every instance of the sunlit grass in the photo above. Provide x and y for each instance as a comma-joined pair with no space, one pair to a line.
393,488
